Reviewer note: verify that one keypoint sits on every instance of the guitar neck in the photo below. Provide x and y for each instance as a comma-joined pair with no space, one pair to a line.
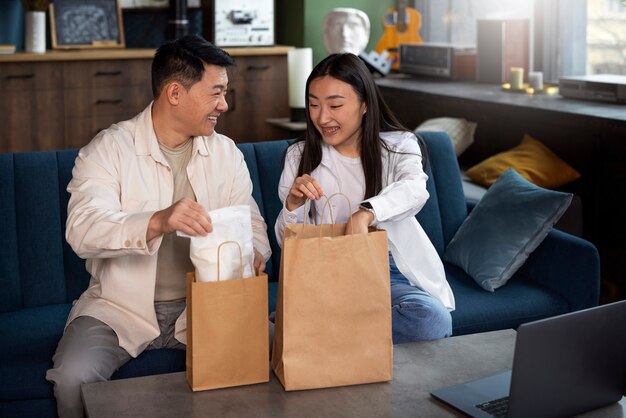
401,10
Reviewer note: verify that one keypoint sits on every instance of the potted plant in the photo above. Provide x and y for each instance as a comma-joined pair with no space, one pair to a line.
35,25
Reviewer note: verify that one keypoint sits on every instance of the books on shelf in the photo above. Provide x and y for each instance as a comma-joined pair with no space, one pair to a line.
7,49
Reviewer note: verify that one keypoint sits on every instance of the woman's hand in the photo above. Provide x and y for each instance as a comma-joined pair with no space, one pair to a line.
359,222
303,188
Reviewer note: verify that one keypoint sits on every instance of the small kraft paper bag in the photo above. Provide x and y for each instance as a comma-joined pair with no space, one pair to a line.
333,315
227,330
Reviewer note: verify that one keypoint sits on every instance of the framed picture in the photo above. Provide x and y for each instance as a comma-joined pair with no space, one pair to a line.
86,24
154,4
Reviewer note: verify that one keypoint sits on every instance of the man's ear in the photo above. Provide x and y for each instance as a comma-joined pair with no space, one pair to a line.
173,92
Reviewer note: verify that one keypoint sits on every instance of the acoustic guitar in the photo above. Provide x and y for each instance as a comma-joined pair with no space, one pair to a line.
402,26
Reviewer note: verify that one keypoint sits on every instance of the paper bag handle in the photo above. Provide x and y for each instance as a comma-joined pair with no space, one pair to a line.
330,209
240,258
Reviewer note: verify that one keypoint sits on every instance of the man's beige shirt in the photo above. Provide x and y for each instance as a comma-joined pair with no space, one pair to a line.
119,180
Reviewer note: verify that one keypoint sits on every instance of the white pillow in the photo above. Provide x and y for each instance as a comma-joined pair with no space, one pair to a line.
460,131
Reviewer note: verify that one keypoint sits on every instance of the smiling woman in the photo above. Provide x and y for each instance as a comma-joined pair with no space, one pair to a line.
354,145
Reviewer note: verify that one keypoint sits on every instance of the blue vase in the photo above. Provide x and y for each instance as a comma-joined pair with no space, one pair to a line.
12,23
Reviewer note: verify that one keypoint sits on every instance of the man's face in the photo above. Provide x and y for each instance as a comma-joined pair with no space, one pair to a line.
205,101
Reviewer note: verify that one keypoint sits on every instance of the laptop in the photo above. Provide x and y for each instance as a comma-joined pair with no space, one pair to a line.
562,366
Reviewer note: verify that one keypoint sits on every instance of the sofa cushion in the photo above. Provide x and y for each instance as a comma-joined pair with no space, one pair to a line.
506,225
152,362
10,297
461,131
269,158
445,210
531,159
518,302
29,340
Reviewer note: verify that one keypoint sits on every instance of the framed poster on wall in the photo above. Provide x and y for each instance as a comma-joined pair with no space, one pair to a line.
242,22
86,24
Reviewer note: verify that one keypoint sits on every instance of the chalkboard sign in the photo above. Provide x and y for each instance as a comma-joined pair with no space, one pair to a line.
86,24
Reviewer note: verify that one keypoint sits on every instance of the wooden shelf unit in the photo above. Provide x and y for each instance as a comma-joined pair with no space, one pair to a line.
61,99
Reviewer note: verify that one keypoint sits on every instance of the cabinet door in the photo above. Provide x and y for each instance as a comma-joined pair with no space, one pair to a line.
31,109
257,91
81,130
108,73
100,93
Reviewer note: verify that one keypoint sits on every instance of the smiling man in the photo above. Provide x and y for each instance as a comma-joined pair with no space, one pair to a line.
133,186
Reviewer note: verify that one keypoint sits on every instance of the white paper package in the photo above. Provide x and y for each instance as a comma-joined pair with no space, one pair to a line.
232,223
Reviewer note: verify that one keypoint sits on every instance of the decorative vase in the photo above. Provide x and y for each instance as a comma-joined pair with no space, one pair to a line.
35,32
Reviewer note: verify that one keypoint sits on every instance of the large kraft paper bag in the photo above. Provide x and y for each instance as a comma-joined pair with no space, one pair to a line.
227,332
333,315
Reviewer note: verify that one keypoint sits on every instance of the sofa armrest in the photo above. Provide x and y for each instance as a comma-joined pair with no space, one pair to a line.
567,265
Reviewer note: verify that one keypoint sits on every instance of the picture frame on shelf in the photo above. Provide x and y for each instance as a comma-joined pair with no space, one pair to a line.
81,24
154,4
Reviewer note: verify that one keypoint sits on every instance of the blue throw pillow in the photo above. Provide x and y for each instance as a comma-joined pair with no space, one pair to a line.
507,224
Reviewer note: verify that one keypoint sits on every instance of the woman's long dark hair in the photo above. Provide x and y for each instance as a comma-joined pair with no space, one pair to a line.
351,70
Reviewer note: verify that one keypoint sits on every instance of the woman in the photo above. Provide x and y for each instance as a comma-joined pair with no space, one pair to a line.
354,145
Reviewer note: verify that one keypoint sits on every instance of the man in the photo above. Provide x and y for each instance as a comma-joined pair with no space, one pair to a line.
133,187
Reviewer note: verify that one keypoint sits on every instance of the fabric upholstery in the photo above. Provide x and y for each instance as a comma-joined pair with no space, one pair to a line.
270,162
461,131
531,159
11,295
506,225
40,275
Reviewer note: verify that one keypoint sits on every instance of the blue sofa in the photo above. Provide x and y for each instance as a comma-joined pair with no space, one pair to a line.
40,275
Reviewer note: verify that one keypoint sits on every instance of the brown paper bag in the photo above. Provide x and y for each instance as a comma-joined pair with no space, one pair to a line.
227,332
333,315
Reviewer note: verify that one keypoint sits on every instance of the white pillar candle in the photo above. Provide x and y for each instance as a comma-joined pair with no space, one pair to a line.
535,80
299,66
35,32
517,78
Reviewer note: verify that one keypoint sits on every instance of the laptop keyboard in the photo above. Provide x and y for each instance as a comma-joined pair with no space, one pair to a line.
497,407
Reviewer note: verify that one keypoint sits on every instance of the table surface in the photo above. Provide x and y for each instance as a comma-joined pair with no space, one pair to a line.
418,369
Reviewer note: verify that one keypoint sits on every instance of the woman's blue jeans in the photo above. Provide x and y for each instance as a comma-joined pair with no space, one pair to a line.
415,314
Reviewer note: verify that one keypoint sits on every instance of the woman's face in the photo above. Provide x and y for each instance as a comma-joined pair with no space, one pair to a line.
337,113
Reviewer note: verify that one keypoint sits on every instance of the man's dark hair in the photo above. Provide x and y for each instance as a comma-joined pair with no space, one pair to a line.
183,60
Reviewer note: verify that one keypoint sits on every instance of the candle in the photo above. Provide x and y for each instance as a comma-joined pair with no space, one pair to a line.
299,66
535,80
517,78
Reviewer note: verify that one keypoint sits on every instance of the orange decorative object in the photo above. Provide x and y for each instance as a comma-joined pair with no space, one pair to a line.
402,26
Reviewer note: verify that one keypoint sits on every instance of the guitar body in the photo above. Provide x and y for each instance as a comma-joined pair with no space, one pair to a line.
399,31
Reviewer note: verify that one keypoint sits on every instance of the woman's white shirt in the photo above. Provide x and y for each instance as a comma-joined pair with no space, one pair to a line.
402,197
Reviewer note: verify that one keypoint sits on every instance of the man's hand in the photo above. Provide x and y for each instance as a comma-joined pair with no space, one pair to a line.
359,222
185,215
259,261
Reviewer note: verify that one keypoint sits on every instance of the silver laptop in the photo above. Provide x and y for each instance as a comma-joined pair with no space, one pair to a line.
562,366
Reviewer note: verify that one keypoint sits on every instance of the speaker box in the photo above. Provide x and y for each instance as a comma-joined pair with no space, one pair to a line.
500,45
439,60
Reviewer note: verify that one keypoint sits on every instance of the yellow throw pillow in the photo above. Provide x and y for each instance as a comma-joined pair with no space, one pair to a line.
531,159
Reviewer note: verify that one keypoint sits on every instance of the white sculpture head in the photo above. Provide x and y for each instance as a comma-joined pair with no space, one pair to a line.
346,30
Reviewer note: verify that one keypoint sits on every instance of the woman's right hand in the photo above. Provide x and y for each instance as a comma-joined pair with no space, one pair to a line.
303,188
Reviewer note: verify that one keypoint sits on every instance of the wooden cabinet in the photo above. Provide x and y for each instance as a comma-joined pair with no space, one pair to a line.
62,99
257,90
99,93
29,101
